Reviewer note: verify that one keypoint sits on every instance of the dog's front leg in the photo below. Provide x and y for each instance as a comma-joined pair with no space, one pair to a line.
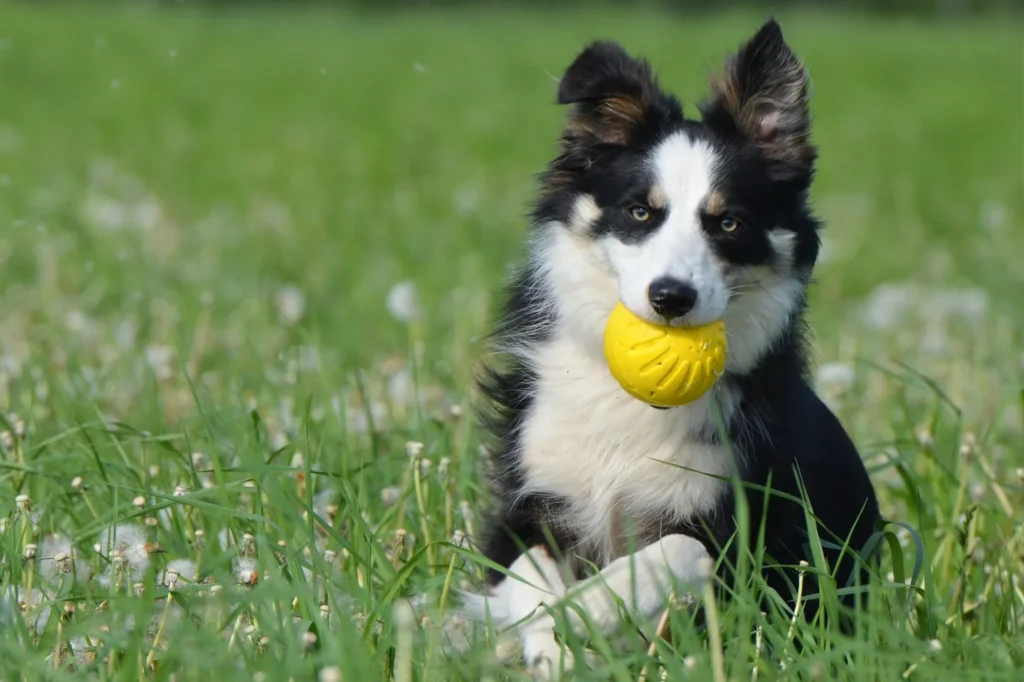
641,582
520,600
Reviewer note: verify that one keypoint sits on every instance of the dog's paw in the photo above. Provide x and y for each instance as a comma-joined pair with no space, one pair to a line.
546,659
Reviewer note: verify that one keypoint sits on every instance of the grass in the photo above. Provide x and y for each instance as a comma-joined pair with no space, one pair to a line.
203,216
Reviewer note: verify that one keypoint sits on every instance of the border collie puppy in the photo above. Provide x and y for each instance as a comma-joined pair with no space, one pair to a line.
685,221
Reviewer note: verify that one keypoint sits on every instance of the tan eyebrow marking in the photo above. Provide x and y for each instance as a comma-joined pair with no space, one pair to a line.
715,204
656,197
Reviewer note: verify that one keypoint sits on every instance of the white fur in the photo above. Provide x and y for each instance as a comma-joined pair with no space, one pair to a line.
585,213
684,171
611,456
762,302
520,602
639,584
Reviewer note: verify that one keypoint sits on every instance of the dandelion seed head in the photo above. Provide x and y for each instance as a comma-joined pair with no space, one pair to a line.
127,544
160,359
179,568
325,503
835,376
389,496
246,571
291,304
331,674
458,538
403,302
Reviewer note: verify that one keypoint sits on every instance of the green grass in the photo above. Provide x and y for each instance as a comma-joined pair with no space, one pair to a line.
164,177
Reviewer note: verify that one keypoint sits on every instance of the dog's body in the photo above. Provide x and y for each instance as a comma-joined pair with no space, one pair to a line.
687,221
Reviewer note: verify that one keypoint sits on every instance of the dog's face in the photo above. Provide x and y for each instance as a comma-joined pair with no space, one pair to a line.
694,220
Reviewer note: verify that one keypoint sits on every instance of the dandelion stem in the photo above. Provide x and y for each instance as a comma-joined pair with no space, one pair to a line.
659,633
799,601
717,659
758,644
421,500
447,585
160,631
234,631
403,646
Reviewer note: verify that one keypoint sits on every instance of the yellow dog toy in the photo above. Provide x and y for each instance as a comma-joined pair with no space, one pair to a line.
662,365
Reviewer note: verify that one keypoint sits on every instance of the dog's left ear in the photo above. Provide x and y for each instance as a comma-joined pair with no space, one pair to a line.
762,97
611,93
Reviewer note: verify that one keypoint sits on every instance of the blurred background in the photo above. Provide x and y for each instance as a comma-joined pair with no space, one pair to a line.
238,239
234,199
256,200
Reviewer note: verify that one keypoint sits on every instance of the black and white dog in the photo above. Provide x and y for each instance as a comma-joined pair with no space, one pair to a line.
686,221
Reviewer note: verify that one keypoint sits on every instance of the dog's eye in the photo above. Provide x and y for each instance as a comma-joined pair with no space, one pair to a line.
729,224
639,213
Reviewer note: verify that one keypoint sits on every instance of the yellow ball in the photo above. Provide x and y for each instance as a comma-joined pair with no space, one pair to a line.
662,365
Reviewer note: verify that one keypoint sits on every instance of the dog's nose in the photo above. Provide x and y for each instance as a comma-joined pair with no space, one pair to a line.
671,297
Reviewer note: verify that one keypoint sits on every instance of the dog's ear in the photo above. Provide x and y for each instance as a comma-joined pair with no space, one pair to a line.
762,96
611,93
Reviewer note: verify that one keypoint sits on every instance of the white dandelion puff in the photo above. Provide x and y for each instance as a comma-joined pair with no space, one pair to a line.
178,569
331,674
159,359
128,551
888,305
835,376
57,556
993,215
246,571
403,302
291,304
325,503
389,496
401,388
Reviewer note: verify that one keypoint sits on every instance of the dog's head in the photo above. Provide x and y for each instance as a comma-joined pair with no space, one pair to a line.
687,220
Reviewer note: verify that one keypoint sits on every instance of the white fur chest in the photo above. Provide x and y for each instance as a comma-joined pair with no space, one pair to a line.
616,460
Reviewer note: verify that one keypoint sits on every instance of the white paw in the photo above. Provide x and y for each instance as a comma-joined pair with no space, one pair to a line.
545,658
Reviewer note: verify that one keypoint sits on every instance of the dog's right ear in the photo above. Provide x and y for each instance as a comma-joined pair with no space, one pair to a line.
612,95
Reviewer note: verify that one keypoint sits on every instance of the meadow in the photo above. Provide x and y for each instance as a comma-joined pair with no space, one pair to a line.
247,259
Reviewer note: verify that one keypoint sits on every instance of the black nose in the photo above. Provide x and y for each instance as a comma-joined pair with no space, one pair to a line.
671,298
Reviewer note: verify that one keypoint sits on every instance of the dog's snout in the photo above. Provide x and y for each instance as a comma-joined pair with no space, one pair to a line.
671,297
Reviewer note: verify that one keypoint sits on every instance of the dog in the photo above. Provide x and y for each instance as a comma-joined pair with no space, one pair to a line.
685,221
